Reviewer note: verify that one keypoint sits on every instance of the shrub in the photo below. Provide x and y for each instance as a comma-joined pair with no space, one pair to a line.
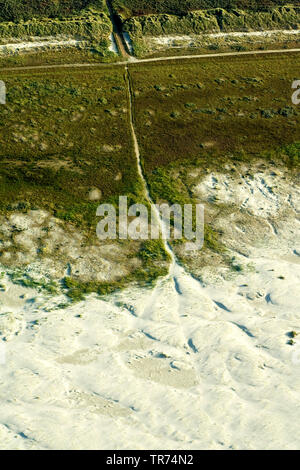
23,10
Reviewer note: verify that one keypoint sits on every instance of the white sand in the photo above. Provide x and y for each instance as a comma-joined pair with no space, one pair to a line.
169,40
191,367
39,43
29,45
128,42
181,366
113,45
265,194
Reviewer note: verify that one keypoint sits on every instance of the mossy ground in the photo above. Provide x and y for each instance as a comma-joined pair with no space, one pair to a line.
59,56
130,8
212,115
145,47
215,109
214,20
64,132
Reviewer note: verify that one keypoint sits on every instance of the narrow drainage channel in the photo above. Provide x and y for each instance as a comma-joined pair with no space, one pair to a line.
117,32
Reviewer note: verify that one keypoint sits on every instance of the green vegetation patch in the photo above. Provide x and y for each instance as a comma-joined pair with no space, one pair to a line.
60,55
128,8
213,115
214,109
155,263
23,10
91,25
61,135
212,21
66,147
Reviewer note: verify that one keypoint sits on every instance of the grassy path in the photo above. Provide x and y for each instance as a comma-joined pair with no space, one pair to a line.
157,59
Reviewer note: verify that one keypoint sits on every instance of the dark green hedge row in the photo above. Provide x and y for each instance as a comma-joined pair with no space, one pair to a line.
130,8
17,10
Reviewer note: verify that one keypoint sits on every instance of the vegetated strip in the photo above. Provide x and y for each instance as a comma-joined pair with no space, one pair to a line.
156,59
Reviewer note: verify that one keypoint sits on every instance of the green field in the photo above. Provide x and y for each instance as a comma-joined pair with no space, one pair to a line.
212,115
62,135
241,105
59,56
66,131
